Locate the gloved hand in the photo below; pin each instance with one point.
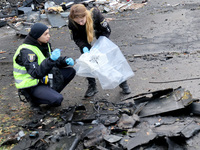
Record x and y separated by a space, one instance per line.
55 54
70 61
85 50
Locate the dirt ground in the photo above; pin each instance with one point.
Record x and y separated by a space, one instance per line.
160 42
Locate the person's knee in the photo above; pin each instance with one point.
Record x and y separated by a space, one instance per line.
73 71
69 73
57 101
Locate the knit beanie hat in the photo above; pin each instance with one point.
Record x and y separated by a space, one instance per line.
37 30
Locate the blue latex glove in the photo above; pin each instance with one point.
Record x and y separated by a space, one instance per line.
85 50
55 54
70 61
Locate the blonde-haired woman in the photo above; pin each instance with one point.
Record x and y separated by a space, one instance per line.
83 24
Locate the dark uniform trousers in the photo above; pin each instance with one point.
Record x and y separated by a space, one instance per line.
91 81
43 94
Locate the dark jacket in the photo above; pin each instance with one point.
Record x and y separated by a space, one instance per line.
78 32
30 63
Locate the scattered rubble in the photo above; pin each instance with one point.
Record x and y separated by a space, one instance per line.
21 15
140 121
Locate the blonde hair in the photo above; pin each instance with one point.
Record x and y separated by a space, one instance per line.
80 11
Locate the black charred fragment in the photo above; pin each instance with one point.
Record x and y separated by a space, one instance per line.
60 132
55 138
163 120
124 141
68 113
80 107
173 144
193 142
118 131
48 123
93 142
160 93
27 3
3 23
68 129
115 147
32 143
97 130
176 100
11 140
155 94
191 129
85 120
40 144
143 137
139 108
24 10
104 107
101 148
127 122
108 119
94 136
34 123
177 129
75 143
24 31
195 108
9 12
112 138
56 20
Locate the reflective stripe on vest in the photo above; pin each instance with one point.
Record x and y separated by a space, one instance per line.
22 78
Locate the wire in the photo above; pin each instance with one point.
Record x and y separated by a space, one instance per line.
159 82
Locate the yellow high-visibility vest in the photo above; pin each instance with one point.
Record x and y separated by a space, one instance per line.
21 76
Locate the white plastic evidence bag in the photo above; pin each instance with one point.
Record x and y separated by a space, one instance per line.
106 62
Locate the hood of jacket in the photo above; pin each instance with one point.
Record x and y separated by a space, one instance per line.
43 47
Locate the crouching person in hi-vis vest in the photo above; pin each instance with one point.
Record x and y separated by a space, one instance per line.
41 74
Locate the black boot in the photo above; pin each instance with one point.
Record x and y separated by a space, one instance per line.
125 88
34 106
91 91
27 98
